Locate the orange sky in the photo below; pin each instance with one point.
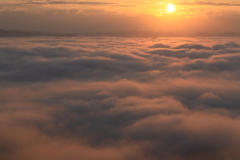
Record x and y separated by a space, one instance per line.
94 16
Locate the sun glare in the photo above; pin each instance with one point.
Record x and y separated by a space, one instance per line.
170 7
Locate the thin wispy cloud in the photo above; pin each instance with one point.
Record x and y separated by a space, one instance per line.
204 3
56 2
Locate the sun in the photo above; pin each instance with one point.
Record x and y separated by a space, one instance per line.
170 7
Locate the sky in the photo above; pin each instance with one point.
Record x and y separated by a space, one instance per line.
111 98
116 98
73 16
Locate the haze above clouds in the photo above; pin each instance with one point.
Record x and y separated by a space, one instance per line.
102 98
70 16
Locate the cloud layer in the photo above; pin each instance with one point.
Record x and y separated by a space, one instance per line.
64 2
119 98
204 3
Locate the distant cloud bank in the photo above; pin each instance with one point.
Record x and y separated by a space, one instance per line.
105 98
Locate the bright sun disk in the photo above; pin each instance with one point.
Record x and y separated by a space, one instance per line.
170 7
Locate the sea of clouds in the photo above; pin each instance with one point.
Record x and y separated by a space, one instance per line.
109 98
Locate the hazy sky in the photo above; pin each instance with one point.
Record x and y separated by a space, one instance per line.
132 15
